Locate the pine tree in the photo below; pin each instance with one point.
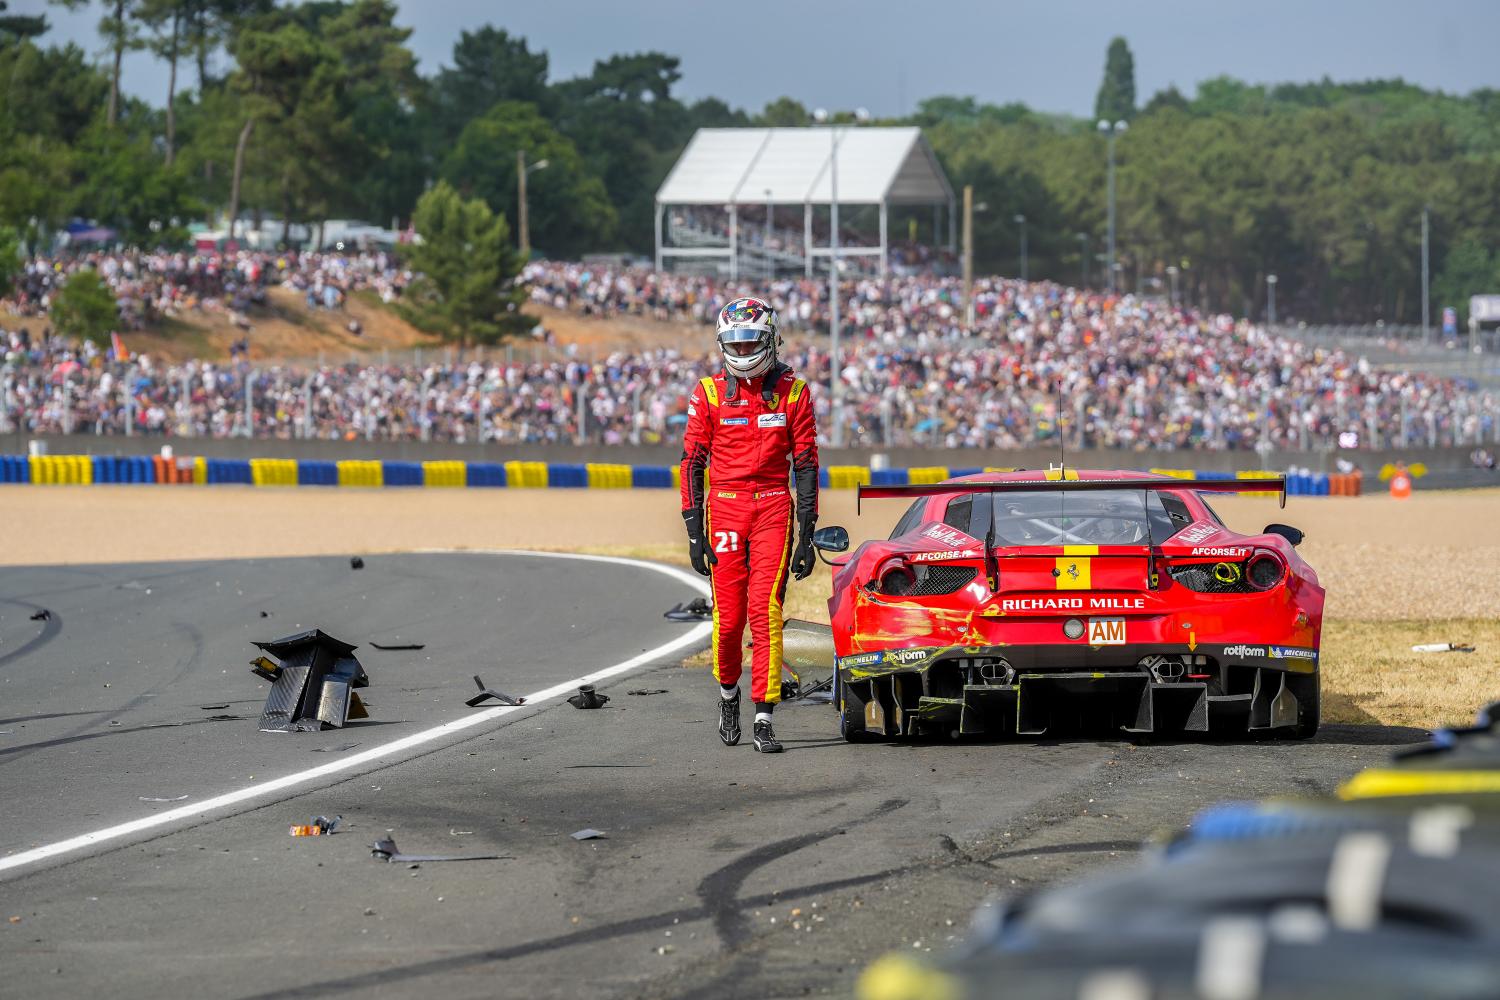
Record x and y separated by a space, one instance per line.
1116 100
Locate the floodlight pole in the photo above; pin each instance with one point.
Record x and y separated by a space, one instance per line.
969 255
1426 309
1112 130
834 393
1083 238
1270 300
1021 221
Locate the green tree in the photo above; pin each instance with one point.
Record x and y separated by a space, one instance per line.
85 307
1468 269
489 66
630 129
467 289
10 259
1116 100
784 111
295 83
1162 100
569 209
19 27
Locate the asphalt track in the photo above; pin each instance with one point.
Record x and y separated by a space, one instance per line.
725 873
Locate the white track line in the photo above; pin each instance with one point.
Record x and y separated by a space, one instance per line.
697 634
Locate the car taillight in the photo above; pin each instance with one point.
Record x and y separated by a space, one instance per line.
1264 570
897 581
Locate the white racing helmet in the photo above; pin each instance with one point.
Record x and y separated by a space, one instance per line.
747 337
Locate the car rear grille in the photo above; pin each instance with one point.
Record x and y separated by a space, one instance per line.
1200 578
934 580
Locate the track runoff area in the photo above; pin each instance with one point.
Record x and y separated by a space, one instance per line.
145 842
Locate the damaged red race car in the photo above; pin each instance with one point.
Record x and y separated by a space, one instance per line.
1031 603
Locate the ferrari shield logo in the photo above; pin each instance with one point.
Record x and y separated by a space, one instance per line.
1073 573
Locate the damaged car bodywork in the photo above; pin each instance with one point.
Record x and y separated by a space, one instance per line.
1017 604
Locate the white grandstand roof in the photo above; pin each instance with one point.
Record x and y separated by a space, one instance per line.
728 166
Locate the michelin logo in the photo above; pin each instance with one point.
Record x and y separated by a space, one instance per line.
1292 653
1245 650
736 421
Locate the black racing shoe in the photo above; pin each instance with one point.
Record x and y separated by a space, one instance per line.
765 738
729 719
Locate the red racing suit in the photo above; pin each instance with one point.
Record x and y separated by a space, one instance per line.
740 434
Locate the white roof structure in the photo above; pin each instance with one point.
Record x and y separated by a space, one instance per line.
738 166
725 168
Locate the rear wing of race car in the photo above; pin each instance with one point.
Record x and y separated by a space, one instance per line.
1269 485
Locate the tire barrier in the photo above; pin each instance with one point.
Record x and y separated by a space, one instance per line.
81 469
1381 890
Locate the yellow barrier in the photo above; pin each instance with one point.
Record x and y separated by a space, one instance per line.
448 473
62 470
200 471
355 472
1258 474
526 475
847 477
603 476
1176 473
677 477
273 471
996 468
924 474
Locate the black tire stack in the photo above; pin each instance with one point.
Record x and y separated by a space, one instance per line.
1390 889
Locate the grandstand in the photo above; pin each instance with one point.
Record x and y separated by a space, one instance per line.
723 174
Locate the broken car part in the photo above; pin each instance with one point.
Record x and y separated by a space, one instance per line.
587 697
385 850
486 694
699 609
410 645
312 688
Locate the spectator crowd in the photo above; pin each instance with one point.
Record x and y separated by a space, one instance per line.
1039 360
150 285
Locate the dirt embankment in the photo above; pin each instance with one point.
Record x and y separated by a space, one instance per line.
287 329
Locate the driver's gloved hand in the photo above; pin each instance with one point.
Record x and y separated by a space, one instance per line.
700 553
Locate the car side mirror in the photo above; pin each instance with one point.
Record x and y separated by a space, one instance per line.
831 539
1286 531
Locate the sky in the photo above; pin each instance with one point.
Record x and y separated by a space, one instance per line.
886 55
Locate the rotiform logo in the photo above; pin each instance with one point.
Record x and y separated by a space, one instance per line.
1244 651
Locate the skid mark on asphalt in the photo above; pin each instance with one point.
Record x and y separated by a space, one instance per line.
730 877
185 666
50 629
82 737
719 891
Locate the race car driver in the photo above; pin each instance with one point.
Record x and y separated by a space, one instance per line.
744 425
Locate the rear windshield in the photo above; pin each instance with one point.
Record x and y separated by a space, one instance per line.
1123 517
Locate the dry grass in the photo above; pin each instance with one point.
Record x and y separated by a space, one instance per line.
1397 573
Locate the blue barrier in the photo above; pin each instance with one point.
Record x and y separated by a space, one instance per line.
651 477
317 472
889 477
402 473
568 476
484 474
229 470
956 473
14 469
1218 476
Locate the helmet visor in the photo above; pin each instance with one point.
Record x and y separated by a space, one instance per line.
741 335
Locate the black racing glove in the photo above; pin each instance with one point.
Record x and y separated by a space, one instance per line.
803 560
700 553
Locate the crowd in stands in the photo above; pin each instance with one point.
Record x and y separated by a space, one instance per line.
1038 360
149 285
